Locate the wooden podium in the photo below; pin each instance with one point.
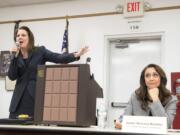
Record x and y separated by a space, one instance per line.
66 95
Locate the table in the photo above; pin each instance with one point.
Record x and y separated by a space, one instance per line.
60 130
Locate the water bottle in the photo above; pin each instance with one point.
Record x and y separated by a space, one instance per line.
120 118
102 115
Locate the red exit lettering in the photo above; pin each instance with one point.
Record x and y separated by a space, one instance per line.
133 6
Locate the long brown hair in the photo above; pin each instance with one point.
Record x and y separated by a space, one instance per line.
30 35
142 93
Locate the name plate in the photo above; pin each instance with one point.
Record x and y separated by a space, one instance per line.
144 124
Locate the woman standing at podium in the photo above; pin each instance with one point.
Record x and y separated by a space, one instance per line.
23 69
152 98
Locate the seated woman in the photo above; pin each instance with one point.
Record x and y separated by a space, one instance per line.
152 98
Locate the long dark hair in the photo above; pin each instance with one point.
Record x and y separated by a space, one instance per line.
30 35
142 93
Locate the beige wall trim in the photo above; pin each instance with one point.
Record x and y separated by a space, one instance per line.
85 15
164 8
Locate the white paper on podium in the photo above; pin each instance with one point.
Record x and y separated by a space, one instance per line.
144 124
10 85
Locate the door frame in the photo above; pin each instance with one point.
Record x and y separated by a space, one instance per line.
108 38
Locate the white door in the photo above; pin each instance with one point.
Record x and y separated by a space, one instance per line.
127 59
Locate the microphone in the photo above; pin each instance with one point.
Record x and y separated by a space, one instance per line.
18 45
88 60
18 49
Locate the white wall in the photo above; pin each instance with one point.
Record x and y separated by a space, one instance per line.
90 31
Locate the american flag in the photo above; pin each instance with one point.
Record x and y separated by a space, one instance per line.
16 26
65 43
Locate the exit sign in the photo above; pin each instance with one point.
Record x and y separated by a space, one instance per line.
134 8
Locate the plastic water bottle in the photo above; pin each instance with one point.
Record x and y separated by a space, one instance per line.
102 115
120 118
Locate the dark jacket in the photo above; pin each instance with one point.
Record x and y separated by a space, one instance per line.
24 72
